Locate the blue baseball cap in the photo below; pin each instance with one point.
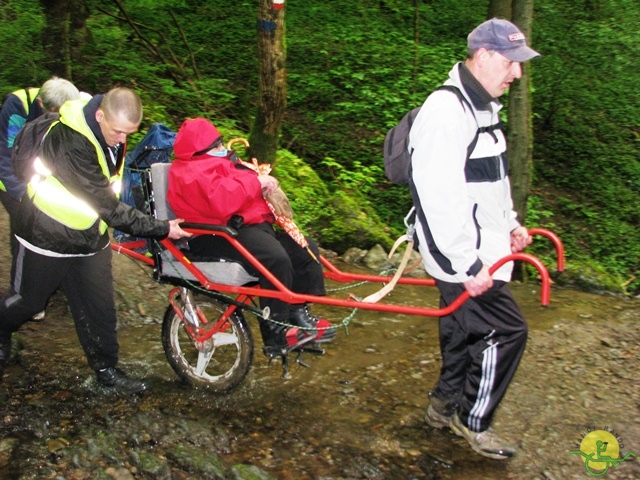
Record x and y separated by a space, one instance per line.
503 37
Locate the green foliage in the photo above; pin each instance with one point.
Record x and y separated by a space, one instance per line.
587 112
346 223
21 25
361 180
307 193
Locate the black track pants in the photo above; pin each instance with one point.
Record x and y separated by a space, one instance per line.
481 345
88 285
278 252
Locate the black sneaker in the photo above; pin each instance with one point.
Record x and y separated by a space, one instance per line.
321 329
115 378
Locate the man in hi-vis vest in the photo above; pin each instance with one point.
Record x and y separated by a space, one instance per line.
18 136
18 108
62 228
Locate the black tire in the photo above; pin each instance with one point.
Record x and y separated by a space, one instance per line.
228 364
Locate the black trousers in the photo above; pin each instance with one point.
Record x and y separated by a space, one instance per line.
278 252
88 285
481 345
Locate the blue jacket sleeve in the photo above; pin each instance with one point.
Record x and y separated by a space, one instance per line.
12 119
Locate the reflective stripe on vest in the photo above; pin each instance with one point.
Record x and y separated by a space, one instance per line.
51 197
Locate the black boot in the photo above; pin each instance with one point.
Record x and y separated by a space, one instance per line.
321 329
279 337
116 379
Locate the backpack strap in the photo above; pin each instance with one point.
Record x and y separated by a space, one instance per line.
444 262
465 104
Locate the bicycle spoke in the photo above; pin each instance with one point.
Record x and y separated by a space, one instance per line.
220 339
203 361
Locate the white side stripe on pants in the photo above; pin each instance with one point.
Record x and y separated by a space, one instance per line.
489 362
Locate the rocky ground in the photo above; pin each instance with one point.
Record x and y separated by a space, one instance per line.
357 413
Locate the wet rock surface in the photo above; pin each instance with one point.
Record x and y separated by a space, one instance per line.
356 413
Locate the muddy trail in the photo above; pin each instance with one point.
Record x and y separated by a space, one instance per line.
355 413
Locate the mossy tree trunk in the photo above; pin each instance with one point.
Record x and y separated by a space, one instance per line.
520 128
272 102
519 124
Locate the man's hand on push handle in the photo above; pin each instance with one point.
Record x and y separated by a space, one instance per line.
175 232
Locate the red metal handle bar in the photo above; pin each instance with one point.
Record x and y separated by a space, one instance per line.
284 294
556 241
127 249
333 273
338 275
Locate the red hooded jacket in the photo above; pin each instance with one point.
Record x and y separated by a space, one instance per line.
208 189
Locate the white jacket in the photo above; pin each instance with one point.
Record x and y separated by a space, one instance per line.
467 205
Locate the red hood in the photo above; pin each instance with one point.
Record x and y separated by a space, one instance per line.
194 136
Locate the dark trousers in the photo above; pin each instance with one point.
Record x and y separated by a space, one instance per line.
12 207
481 345
278 252
88 285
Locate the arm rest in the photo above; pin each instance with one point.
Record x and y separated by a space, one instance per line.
212 228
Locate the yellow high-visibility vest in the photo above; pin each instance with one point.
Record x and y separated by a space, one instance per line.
53 198
27 96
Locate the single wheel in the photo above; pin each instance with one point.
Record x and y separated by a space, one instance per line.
219 363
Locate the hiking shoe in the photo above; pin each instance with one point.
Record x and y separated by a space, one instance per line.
321 329
436 415
486 443
115 378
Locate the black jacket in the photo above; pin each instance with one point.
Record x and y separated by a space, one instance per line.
73 161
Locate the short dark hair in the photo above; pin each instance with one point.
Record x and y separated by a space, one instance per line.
122 101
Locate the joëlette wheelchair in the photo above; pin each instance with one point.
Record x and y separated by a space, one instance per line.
205 335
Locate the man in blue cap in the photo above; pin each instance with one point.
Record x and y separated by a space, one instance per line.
460 185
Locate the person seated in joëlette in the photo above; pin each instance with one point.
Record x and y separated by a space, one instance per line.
208 184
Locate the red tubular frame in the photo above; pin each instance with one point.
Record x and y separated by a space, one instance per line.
556 242
333 273
128 249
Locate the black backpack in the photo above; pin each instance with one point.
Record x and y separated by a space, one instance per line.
27 144
397 158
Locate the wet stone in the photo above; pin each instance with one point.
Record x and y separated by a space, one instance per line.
248 472
150 464
198 460
118 473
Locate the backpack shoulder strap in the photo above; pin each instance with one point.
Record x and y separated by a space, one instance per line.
466 105
458 93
